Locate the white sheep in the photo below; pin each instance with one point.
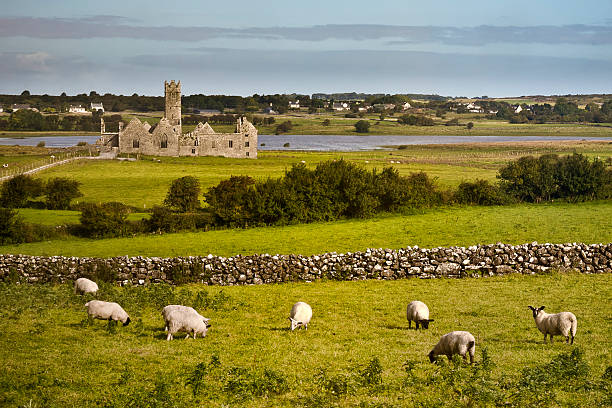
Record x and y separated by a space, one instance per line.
84 285
457 342
418 312
185 321
98 309
301 313
167 309
564 323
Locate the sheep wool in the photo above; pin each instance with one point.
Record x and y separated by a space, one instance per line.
97 309
418 312
457 342
84 285
185 321
564 323
301 313
167 309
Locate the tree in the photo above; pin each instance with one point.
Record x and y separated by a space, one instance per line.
25 93
60 191
11 227
183 194
326 122
470 125
362 126
18 190
104 220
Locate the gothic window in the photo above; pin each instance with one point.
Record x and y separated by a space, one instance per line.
136 144
164 144
247 153
246 144
193 151
196 143
231 143
214 145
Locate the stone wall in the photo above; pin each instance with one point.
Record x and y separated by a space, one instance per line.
453 262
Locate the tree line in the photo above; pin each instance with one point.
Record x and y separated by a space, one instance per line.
25 119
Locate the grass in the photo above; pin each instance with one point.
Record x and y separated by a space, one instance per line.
463 226
52 356
61 217
148 181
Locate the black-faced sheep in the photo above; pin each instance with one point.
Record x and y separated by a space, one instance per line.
185 321
84 285
97 309
457 342
418 312
301 313
564 323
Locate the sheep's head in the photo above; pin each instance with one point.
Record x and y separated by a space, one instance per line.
425 323
432 357
536 311
127 321
294 323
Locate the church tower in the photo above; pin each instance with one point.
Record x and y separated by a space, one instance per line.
172 92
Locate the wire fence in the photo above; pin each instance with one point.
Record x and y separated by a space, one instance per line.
14 169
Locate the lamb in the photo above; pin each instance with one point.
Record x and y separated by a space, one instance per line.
457 342
98 309
84 285
301 313
166 310
564 323
418 312
185 321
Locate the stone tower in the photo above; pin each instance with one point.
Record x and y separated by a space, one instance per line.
173 102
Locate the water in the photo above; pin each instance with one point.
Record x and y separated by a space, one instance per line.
323 143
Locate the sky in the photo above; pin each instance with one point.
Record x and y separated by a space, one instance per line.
448 47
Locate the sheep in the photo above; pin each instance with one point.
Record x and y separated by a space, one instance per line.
167 309
185 321
457 342
98 309
84 285
301 313
418 312
564 323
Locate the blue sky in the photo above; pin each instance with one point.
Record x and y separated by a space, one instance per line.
495 48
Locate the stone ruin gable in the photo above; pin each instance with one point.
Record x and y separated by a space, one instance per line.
134 131
203 141
378 263
138 138
166 133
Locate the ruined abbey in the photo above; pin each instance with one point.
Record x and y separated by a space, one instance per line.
167 138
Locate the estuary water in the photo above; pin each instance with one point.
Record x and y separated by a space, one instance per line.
322 142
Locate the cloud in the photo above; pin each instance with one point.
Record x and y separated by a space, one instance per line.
35 61
105 26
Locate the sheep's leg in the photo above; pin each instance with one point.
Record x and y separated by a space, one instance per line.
566 339
410 324
471 358
417 325
306 326
169 337
551 338
572 339
545 337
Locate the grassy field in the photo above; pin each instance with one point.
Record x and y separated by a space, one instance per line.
148 181
463 226
357 350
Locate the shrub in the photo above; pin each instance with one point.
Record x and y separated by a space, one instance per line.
479 192
60 191
326 122
283 127
11 227
416 120
104 220
41 144
18 190
469 125
227 200
183 194
164 220
362 126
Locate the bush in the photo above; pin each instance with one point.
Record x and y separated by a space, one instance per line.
362 126
18 190
479 192
104 220
41 144
416 120
11 227
326 122
60 191
283 127
164 220
183 194
469 125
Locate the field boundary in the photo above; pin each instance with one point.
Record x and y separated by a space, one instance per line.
385 264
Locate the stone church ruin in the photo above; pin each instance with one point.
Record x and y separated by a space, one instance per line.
167 138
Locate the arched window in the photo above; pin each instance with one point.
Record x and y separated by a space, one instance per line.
136 144
164 144
196 143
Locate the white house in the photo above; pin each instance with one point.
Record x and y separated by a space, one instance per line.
1 109
518 109
340 106
406 106
97 106
25 106
294 105
77 109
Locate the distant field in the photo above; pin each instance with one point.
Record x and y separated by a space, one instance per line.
147 182
461 226
51 356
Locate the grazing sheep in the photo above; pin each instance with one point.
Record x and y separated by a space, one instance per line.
418 312
301 313
167 309
457 342
185 321
564 323
84 285
97 309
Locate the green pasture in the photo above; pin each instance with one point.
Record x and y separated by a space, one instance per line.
52 356
61 217
144 183
462 226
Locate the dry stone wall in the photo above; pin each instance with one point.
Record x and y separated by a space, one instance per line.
453 262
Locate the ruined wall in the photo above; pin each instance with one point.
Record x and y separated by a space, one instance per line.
203 141
150 143
410 262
